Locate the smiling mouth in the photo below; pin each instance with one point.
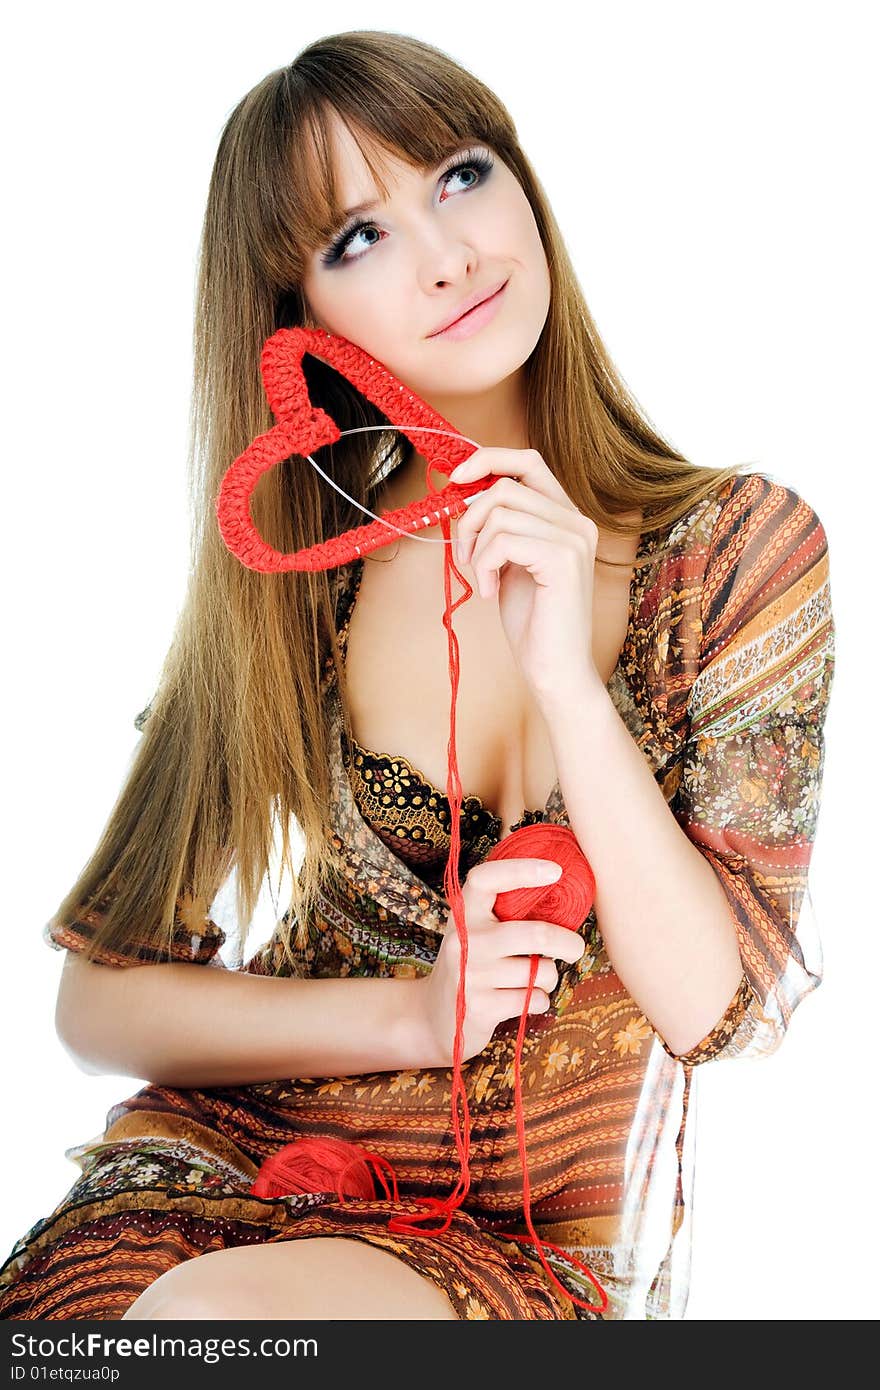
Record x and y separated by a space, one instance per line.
462 318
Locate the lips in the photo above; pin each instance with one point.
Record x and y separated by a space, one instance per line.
479 297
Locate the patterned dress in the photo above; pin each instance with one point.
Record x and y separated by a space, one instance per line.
723 682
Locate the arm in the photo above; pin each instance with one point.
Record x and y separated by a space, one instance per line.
180 1024
662 912
695 896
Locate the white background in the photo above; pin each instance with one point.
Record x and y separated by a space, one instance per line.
713 170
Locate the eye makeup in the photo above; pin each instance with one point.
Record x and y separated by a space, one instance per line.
472 158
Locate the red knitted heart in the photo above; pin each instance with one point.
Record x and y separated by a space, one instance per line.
303 427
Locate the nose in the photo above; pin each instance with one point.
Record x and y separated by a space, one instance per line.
451 265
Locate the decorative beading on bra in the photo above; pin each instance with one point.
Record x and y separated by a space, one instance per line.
407 812
412 816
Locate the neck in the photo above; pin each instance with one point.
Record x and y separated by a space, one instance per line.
495 419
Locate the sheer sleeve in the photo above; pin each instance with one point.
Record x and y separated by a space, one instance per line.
752 766
196 937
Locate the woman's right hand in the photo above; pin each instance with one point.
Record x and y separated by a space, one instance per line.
498 958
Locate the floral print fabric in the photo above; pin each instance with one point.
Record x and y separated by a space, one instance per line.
723 683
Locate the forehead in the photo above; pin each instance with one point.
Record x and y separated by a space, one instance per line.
354 180
340 162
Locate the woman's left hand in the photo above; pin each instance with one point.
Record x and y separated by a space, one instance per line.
528 544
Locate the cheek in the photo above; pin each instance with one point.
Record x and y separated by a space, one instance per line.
513 232
534 258
378 318
354 307
524 229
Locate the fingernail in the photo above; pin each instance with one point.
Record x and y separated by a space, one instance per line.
456 472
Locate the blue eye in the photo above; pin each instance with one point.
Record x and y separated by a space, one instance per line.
474 159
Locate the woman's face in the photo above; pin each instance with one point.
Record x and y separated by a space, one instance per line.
405 267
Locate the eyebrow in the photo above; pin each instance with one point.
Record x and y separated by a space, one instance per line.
369 207
359 207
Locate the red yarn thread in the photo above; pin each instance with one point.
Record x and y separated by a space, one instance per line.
313 1164
567 902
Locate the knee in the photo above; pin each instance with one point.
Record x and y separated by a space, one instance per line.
178 1294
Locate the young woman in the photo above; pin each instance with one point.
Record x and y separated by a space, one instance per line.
647 659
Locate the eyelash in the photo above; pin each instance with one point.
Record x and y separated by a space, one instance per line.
473 159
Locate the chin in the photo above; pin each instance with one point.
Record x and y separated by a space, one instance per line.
481 372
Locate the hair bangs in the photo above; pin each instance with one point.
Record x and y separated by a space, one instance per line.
420 138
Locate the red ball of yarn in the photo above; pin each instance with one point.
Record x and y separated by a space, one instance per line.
320 1164
302 425
566 902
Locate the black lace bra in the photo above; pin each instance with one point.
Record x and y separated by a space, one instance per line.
406 811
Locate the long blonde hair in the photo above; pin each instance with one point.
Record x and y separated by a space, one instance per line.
236 740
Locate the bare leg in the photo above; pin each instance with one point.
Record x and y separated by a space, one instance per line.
320 1277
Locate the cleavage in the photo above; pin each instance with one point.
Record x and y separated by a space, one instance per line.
481 699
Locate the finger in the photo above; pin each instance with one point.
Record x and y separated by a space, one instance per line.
513 972
493 876
525 464
507 493
511 1002
538 938
557 525
558 531
544 559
